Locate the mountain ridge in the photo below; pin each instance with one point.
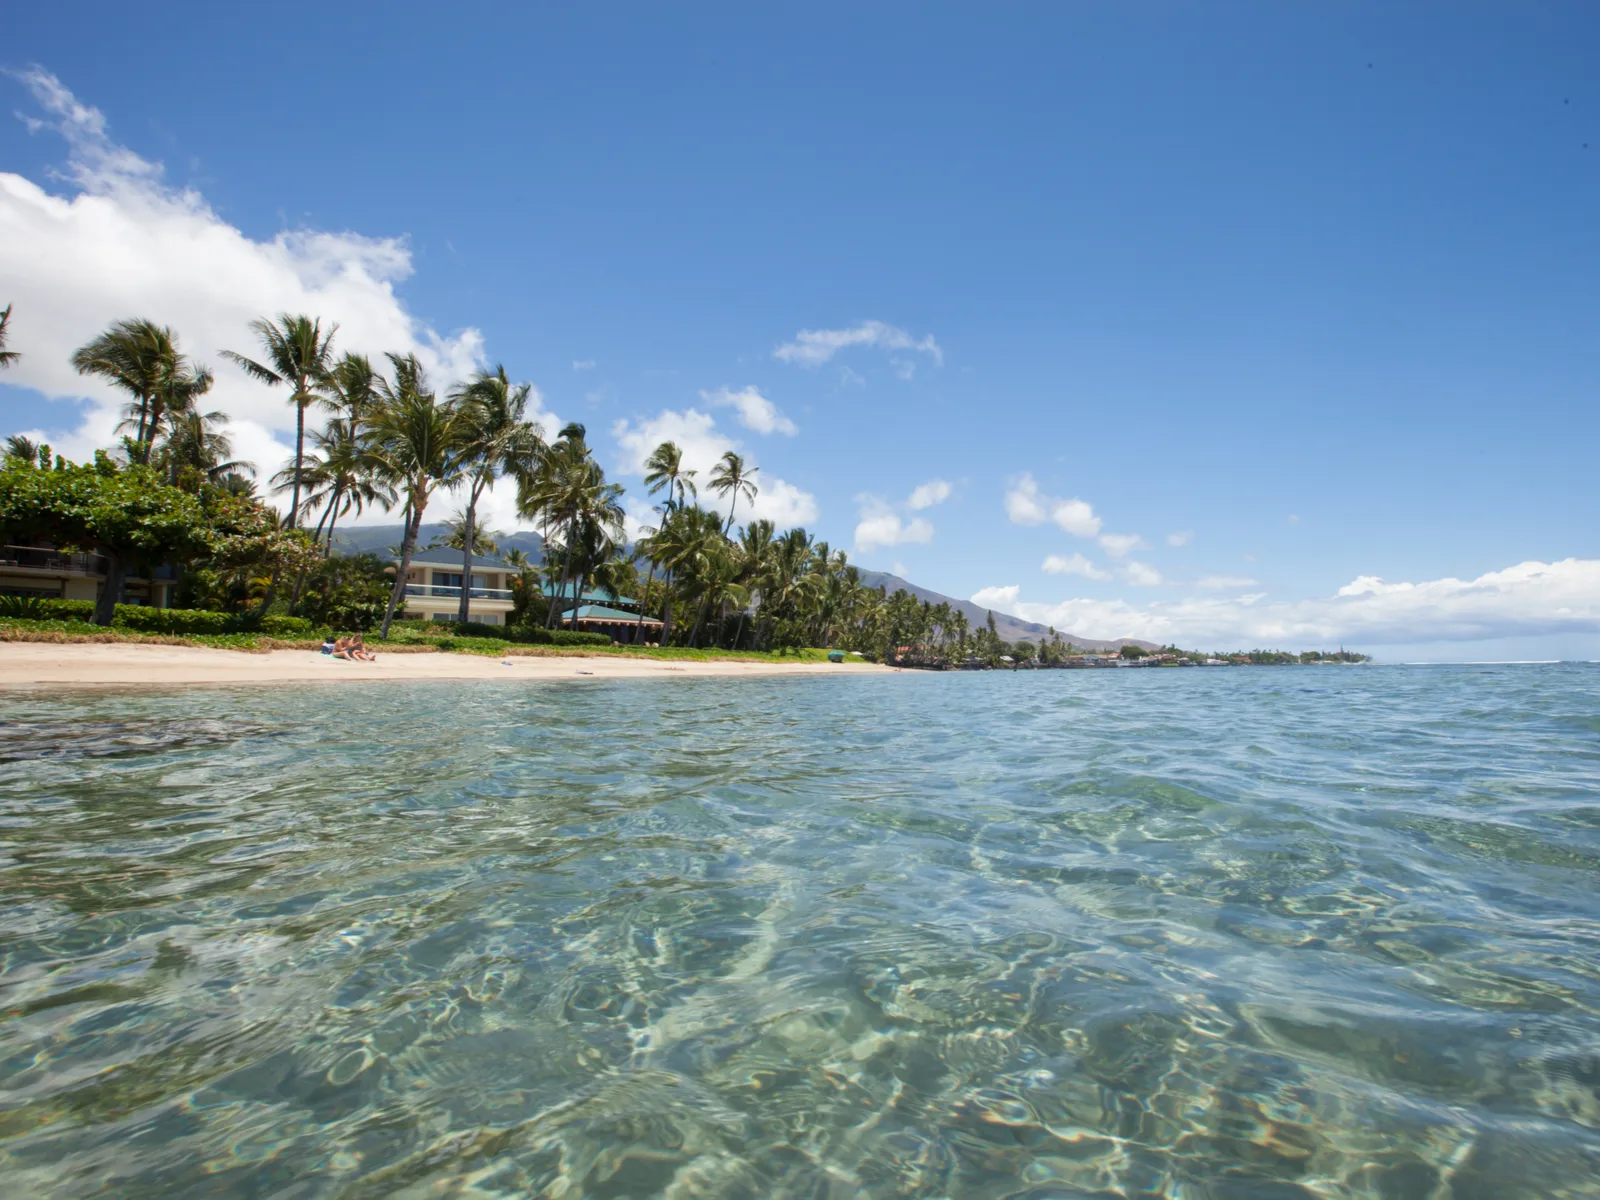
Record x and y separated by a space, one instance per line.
1010 628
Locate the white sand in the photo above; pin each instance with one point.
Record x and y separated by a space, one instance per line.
32 664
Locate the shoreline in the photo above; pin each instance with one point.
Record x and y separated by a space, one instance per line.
35 665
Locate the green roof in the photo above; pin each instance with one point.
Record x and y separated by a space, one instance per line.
599 612
600 594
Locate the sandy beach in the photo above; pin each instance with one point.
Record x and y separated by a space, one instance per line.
34 664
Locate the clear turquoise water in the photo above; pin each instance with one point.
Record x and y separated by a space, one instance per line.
1232 933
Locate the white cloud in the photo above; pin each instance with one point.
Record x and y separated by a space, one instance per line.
1003 598
1118 545
1073 564
880 525
1027 505
813 347
755 410
1181 538
926 495
120 242
1141 575
702 443
1224 582
583 364
1530 599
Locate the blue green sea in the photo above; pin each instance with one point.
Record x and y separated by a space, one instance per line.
1245 934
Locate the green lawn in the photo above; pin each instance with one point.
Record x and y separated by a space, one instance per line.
17 630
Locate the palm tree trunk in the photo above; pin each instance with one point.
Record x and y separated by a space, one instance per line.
105 604
144 409
468 532
270 596
332 521
155 421
700 616
299 457
638 630
407 547
666 608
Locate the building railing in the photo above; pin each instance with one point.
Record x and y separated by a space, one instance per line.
454 593
60 561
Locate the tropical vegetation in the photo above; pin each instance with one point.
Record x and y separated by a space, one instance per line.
173 493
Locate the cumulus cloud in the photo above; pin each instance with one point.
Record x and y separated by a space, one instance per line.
813 347
118 241
1118 545
1027 505
755 410
1003 598
1142 575
1181 538
702 443
926 495
1528 600
1224 582
882 525
1073 564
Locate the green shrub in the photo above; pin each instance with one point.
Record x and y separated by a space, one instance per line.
533 635
569 637
59 610
287 627
24 608
479 629
173 620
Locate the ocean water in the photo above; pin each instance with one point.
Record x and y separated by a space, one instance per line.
1246 933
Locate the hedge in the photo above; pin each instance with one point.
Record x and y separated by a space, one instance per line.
527 635
173 621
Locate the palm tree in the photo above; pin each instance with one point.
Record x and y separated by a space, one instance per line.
731 475
195 443
497 439
553 489
417 442
298 354
176 395
23 451
139 357
664 469
342 476
7 357
755 564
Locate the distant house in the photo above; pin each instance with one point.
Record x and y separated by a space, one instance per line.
434 583
42 570
433 593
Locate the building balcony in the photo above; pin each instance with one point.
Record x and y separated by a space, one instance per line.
454 593
54 562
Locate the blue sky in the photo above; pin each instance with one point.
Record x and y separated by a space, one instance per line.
1313 286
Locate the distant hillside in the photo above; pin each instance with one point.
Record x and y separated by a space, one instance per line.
1010 629
385 539
379 539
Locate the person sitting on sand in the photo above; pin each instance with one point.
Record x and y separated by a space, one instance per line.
341 649
328 644
359 651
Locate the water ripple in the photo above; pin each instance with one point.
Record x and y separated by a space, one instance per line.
1190 934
